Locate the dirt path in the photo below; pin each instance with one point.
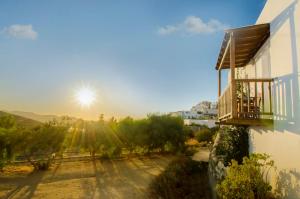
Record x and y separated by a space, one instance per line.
87 179
201 155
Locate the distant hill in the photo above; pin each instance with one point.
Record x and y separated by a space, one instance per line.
22 121
40 118
34 116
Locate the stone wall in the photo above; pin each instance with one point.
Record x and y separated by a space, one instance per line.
216 168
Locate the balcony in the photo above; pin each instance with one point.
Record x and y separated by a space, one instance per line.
253 104
244 101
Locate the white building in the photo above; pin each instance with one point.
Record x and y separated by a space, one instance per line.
198 111
208 123
264 88
186 114
205 107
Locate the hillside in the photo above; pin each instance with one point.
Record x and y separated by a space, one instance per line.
38 117
34 116
22 121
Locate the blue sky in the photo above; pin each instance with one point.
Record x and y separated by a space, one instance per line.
139 56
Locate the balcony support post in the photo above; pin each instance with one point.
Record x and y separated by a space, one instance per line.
233 84
219 83
219 91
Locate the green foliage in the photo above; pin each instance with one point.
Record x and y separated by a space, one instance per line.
7 139
183 178
108 139
247 180
206 134
157 132
128 132
164 130
14 137
233 144
7 121
74 137
188 131
42 143
94 137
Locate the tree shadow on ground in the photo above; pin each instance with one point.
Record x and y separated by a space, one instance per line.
27 186
124 179
108 179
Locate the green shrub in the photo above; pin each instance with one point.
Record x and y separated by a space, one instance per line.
183 178
2 164
105 156
233 144
111 153
189 151
116 152
188 131
205 135
42 165
247 180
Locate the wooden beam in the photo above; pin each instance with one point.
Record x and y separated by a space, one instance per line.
270 97
219 83
256 80
242 97
247 42
247 122
263 96
248 45
232 68
224 55
248 33
248 96
255 100
251 37
248 39
249 28
237 60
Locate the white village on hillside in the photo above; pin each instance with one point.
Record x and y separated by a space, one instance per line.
203 113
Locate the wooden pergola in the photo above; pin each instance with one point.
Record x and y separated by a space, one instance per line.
239 46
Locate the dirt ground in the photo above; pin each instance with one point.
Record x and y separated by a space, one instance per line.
107 179
201 155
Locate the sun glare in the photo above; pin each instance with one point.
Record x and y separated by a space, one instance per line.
85 96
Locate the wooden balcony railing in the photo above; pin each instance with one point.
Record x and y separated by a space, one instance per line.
224 104
253 101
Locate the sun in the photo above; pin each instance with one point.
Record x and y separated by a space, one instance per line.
85 96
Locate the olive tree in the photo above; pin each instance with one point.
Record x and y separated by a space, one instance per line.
166 131
42 143
93 137
8 139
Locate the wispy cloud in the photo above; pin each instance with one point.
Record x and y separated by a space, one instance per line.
21 31
193 25
167 30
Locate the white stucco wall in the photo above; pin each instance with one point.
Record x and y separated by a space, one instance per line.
280 58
